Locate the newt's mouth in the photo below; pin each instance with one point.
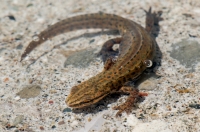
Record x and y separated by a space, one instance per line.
82 102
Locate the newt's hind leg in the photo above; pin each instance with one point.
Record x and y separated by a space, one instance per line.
107 52
134 94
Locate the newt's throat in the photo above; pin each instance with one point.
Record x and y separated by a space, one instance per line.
80 103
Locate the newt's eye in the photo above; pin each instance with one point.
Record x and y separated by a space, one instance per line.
148 63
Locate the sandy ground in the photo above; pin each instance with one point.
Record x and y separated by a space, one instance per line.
32 95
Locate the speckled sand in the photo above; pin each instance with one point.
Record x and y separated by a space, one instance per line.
32 97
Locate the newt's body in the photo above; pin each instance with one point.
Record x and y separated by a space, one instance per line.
136 50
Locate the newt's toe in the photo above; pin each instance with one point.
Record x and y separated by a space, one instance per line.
123 108
129 104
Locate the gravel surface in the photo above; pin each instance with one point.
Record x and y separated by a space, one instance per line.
173 101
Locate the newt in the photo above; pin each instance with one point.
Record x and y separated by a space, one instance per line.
136 52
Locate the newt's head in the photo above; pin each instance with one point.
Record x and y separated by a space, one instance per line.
84 95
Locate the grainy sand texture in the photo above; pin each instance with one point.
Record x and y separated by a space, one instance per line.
33 92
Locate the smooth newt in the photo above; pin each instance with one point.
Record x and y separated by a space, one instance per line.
136 53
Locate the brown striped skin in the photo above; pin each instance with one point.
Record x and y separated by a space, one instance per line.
135 48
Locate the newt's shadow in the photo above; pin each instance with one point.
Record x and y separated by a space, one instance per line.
102 104
156 17
85 35
99 106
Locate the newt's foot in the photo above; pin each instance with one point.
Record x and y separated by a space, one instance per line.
110 62
130 102
107 49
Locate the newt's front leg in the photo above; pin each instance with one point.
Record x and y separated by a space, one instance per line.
134 94
108 54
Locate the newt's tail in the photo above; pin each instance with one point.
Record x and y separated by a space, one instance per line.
96 20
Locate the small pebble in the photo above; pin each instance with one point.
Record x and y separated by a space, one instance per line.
74 123
89 119
61 123
17 98
29 92
196 106
6 79
91 41
45 95
11 17
50 102
18 120
147 85
19 47
67 110
41 128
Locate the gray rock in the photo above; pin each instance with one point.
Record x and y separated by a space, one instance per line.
81 58
29 92
186 52
18 120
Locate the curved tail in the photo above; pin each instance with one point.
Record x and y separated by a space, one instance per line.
96 20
